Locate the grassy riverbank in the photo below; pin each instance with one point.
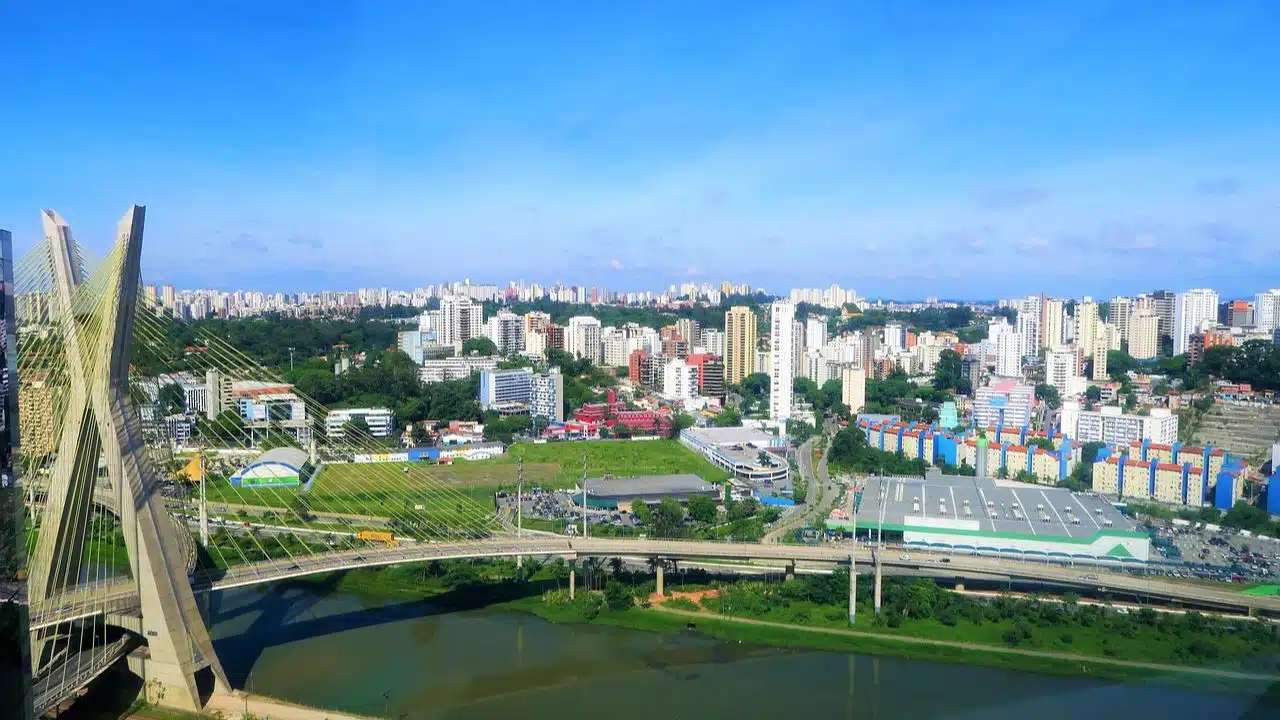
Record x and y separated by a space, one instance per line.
827 639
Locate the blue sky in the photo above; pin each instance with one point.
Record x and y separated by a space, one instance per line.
960 149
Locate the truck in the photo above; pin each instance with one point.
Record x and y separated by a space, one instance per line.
376 536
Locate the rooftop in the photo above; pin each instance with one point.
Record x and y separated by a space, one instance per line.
625 488
943 499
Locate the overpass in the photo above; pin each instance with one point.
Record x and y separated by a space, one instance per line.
120 598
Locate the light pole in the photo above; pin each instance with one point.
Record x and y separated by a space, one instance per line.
290 358
519 506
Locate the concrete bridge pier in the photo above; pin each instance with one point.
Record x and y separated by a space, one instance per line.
660 567
791 570
959 586
573 577
853 590
877 560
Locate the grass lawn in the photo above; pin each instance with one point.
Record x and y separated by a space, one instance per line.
1270 589
467 487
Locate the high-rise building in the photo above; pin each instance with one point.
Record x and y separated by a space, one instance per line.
1240 314
1203 340
168 297
853 390
1004 403
1029 315
895 335
713 341
1144 335
1165 302
506 330
582 338
739 344
1060 365
1119 312
1052 318
461 319
1086 325
781 358
1266 310
1101 346
797 349
689 330
815 331
1009 354
1192 309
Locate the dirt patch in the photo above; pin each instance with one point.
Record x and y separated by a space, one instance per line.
694 596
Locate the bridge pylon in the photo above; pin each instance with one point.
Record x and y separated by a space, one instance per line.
101 425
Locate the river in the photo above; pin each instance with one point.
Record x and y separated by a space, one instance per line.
397 659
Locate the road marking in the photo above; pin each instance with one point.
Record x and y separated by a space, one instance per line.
1022 507
955 512
1087 514
924 502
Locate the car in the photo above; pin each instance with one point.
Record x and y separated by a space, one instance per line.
904 557
1090 577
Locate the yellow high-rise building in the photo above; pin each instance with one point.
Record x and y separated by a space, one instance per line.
739 344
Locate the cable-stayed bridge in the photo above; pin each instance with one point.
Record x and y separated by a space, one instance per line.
119 538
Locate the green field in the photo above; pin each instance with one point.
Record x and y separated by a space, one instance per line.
1267 590
467 487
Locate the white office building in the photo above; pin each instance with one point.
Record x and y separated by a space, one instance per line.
1029 313
1266 311
1192 309
1110 424
781 358
380 421
679 380
853 390
1061 364
455 368
461 319
1054 319
713 341
582 338
1008 345
1003 403
542 395
815 332
506 330
1144 335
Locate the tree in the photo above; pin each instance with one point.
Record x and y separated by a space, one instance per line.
356 427
172 400
728 417
1119 363
680 421
948 373
702 509
227 428
479 346
616 596
641 510
764 458
1049 394
668 518
1093 394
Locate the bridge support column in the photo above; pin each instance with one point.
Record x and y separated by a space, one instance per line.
853 591
661 569
960 587
791 570
573 578
877 559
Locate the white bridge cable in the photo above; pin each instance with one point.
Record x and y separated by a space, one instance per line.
89 306
375 477
366 479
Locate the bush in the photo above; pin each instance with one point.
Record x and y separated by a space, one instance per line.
616 596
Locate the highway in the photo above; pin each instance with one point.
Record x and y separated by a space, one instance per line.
121 598
821 493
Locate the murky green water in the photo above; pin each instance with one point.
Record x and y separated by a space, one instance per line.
404 660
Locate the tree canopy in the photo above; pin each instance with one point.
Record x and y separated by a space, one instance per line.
479 346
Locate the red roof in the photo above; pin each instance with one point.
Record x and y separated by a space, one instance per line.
1169 466
911 433
1160 446
1217 452
1113 460
1191 449
1017 448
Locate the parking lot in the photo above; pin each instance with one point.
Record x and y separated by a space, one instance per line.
1213 553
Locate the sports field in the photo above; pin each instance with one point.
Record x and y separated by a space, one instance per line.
467 487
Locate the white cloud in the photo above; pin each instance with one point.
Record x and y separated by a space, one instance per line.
616 264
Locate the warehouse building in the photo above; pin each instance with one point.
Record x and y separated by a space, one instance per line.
984 515
612 493
278 467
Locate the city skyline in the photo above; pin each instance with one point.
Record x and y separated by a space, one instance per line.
984 150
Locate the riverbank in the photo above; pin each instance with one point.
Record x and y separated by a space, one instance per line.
779 634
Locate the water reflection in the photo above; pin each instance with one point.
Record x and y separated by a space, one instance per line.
413 660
